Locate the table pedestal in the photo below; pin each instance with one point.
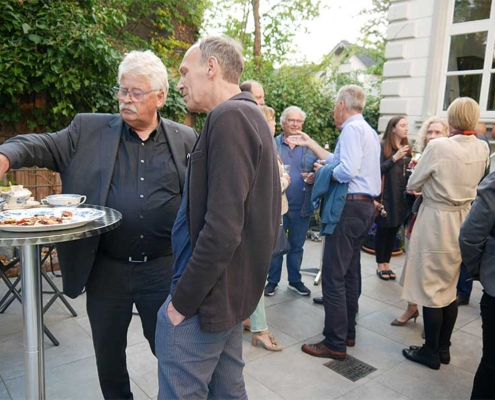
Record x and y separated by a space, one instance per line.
32 307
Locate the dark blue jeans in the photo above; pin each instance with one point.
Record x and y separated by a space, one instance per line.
341 273
112 289
464 284
298 229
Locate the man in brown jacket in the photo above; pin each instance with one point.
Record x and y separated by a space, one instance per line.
224 233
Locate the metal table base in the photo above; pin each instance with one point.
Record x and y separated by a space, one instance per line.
32 305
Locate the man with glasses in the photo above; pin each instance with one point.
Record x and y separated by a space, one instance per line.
135 163
300 162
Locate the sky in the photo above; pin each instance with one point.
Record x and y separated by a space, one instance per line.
338 21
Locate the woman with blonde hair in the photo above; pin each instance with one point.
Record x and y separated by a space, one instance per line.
447 175
432 128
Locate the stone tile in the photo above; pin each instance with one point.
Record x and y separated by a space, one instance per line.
11 319
367 306
466 351
373 391
75 344
296 318
386 291
466 315
257 391
143 368
379 322
4 394
292 374
474 328
249 352
419 382
376 350
76 381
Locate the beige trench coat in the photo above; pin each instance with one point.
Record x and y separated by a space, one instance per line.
447 174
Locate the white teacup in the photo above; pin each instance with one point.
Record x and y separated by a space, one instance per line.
64 200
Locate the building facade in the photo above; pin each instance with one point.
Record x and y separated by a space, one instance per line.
438 50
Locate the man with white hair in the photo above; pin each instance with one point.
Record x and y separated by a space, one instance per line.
135 163
296 221
356 161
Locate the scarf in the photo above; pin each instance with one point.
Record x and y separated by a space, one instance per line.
456 132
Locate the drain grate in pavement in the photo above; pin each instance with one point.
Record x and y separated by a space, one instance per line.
351 368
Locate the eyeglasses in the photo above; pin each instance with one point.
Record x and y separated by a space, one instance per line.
136 95
295 121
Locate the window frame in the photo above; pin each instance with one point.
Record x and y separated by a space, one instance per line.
486 25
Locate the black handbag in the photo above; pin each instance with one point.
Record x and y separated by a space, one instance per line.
282 247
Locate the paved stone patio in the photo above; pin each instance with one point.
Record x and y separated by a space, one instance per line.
290 374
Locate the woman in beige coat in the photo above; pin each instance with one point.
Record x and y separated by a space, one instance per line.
447 175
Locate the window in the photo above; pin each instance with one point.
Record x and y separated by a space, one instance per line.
469 59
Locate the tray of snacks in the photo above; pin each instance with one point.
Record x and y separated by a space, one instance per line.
47 219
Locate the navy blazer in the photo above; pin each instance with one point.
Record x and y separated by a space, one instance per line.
84 154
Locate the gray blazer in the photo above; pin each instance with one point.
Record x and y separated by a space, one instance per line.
84 154
477 235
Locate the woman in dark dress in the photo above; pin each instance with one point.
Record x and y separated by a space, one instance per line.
395 157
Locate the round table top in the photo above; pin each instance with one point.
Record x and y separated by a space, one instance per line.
110 221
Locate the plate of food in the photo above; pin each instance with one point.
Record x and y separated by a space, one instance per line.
47 219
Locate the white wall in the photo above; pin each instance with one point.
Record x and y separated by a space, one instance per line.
415 35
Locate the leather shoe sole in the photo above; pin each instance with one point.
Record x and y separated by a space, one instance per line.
320 350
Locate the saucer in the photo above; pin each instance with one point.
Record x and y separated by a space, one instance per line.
29 204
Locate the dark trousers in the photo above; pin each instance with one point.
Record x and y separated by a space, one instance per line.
385 239
341 273
439 324
112 289
464 284
484 380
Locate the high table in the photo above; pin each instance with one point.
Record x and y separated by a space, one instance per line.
32 302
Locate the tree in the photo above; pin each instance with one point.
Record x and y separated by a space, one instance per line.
58 58
374 33
264 28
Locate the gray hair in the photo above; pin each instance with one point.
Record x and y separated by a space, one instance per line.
145 63
353 97
289 110
228 53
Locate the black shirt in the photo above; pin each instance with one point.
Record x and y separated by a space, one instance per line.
145 188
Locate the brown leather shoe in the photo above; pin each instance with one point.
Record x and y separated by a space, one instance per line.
320 350
350 342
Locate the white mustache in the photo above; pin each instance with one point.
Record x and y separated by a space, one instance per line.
130 107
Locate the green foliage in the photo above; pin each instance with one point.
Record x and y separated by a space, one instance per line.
58 58
298 86
280 22
55 51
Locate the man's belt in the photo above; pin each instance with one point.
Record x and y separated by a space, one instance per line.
134 259
360 197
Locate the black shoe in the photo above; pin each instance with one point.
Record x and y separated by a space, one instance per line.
423 355
318 300
444 353
462 300
270 289
299 288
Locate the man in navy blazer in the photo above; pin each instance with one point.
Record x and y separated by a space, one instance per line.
133 162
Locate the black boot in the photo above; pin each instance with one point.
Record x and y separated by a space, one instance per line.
444 352
423 355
